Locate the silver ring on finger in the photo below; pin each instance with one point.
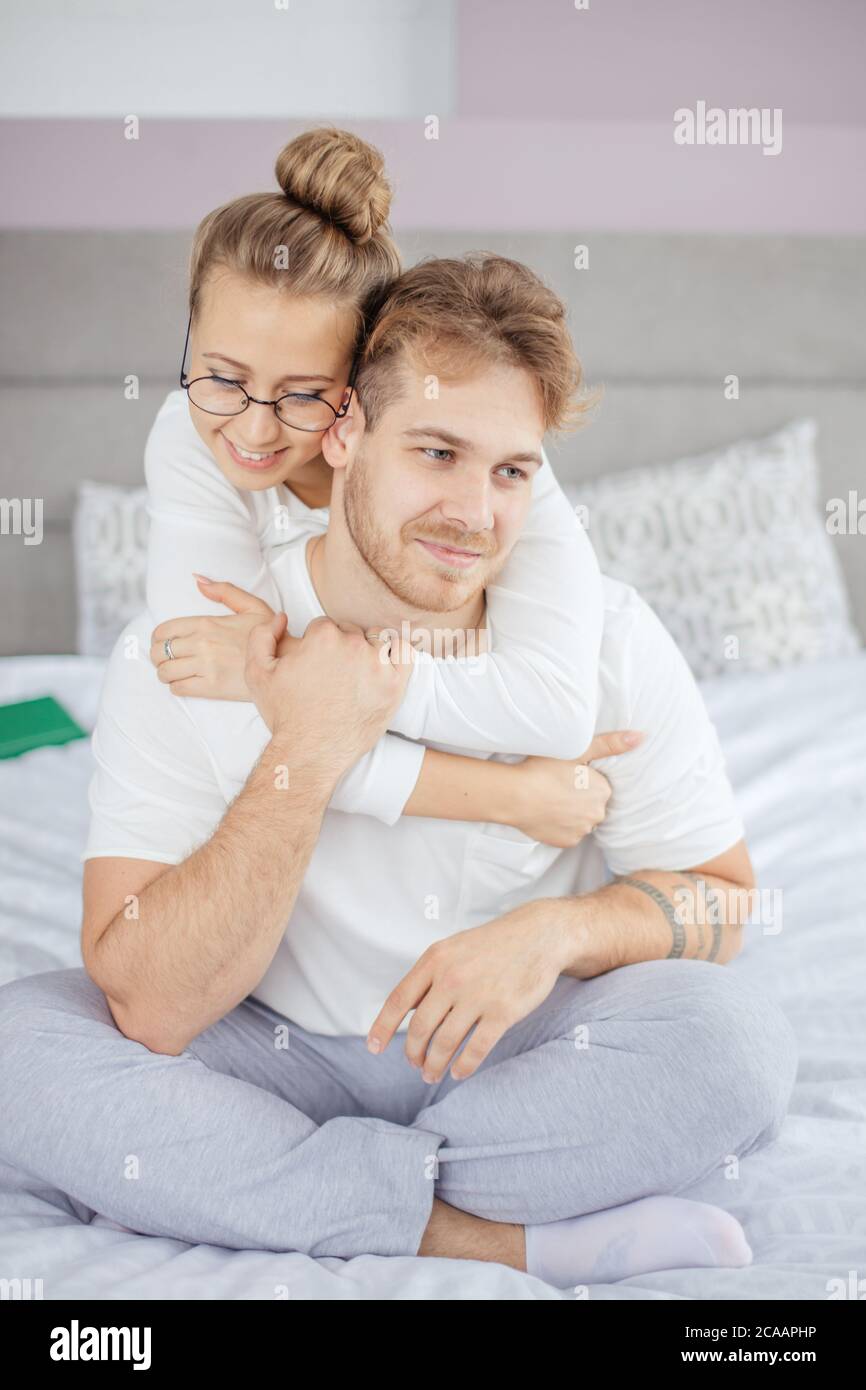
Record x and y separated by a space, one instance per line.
166 647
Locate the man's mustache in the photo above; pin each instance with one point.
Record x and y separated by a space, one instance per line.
480 542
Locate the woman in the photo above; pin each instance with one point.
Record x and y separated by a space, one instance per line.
283 286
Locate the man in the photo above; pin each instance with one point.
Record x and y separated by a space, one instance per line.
574 1048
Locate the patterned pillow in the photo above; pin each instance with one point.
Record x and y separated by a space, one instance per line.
729 548
110 541
731 551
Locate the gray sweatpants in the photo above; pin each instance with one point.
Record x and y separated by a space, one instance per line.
644 1080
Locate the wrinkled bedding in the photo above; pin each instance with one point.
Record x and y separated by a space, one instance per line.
796 747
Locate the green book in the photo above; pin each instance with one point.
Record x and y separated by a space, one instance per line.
34 723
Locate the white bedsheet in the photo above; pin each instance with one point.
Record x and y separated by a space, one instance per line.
796 744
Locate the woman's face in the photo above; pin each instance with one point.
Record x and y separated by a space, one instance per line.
270 343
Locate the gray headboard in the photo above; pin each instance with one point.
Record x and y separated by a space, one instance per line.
661 320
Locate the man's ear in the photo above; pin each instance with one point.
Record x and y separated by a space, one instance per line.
340 443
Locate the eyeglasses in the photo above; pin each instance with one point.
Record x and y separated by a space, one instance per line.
219 396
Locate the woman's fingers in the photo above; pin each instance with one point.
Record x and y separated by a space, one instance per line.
180 644
192 686
177 670
611 745
237 599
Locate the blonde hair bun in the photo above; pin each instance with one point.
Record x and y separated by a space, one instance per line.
340 177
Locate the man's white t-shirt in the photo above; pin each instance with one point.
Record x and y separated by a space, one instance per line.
375 896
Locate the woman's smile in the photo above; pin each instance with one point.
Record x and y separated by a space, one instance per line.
257 461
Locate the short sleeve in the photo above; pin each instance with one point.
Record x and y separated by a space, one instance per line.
672 804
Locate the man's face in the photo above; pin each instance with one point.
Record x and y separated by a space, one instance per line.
436 495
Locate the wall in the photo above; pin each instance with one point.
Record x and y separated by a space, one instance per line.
549 116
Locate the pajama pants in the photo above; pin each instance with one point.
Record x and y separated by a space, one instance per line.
261 1135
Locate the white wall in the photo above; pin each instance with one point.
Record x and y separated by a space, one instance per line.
282 58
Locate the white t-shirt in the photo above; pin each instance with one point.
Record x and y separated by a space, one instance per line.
376 896
533 692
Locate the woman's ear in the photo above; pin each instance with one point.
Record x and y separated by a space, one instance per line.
341 441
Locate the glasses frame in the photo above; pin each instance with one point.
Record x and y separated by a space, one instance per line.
338 414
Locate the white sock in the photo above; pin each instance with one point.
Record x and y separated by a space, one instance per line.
640 1237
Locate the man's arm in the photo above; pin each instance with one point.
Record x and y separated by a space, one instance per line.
175 948
203 933
489 977
658 914
671 805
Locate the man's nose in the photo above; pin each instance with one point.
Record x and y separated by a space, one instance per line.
470 503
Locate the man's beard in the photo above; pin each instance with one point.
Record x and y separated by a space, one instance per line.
428 592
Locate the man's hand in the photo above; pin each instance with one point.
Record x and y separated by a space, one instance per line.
491 976
331 695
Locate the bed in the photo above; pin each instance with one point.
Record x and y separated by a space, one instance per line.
795 740
661 321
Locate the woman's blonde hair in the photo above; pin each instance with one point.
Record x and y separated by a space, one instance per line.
326 235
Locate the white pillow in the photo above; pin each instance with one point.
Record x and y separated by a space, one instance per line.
110 541
730 549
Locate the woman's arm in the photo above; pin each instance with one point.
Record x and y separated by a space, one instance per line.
199 522
552 800
536 690
546 798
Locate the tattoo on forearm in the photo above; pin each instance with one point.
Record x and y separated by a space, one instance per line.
715 923
677 929
700 937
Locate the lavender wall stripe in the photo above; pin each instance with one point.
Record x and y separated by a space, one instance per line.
512 175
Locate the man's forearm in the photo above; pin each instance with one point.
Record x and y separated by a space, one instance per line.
205 932
652 914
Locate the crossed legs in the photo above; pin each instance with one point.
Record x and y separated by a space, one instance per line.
263 1136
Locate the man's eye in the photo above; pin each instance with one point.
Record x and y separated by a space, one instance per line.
443 454
515 473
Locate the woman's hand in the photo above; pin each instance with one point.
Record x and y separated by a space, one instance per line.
209 654
561 800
